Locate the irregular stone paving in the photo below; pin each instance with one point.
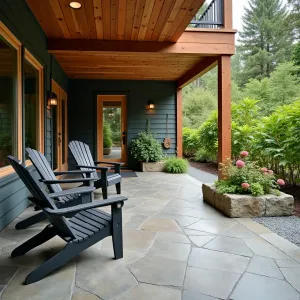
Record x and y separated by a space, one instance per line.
175 247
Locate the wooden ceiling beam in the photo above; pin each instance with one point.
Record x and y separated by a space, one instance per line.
201 43
198 70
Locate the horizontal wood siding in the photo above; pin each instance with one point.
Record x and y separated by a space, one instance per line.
82 109
16 15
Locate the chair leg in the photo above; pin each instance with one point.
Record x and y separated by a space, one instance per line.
118 188
42 237
117 234
31 220
104 192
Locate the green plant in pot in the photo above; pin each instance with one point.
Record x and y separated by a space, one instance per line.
107 139
145 148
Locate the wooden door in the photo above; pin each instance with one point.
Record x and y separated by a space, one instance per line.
60 129
112 114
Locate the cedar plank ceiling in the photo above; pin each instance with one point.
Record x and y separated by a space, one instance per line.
129 20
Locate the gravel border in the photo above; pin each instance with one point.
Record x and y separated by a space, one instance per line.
287 227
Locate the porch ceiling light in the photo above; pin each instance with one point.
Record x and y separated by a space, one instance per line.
52 99
75 5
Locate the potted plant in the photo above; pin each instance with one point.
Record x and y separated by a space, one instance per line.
107 139
248 190
148 151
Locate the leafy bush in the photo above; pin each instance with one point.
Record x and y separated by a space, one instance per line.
246 177
107 136
201 156
176 165
190 139
146 148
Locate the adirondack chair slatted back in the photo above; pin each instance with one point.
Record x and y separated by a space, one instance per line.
40 197
83 156
44 169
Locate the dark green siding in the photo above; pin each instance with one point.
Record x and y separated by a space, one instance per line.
16 15
82 109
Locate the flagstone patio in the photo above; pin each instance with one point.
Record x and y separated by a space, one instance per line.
175 247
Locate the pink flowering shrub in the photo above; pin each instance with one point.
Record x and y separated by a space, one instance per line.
246 177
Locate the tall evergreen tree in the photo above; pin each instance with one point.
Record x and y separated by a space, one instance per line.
265 40
294 17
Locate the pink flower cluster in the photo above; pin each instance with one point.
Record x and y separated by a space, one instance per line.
245 185
240 164
280 182
244 153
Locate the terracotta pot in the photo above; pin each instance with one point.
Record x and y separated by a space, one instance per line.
106 151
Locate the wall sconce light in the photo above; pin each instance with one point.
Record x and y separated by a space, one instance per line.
52 99
150 104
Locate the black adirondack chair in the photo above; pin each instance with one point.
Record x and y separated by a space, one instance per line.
86 226
84 160
48 178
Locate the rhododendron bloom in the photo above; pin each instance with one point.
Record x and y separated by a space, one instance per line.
264 169
240 164
245 185
244 153
280 182
270 172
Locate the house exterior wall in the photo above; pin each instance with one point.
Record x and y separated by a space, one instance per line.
21 22
82 110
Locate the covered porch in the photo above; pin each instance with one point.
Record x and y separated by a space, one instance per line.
175 247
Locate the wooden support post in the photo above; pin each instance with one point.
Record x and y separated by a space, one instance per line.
179 122
224 110
227 14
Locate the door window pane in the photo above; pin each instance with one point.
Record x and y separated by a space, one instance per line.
32 118
8 101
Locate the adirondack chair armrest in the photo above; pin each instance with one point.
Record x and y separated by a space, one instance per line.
73 172
116 165
78 190
94 204
93 167
71 180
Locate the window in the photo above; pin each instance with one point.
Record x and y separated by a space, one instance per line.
10 98
33 103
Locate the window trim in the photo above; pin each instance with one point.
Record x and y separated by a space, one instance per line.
40 130
17 45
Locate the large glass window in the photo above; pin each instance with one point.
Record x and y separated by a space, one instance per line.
33 103
8 101
32 118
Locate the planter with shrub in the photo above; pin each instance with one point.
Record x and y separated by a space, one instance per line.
148 151
107 139
175 165
248 191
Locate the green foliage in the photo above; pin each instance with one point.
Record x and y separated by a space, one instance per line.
281 88
266 38
201 156
260 182
145 147
277 141
294 17
296 56
107 140
190 139
176 165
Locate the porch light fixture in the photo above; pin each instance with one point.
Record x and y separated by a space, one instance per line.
52 99
75 5
150 104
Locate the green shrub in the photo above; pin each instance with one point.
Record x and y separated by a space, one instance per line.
246 177
107 136
176 165
145 147
190 139
202 156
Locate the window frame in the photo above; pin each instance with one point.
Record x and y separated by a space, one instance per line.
40 129
17 45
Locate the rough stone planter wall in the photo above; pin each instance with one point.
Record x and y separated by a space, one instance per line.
152 166
247 206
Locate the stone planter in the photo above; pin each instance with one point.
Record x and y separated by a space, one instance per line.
152 166
106 151
248 206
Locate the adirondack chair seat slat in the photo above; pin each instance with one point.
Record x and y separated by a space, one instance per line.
86 226
84 160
